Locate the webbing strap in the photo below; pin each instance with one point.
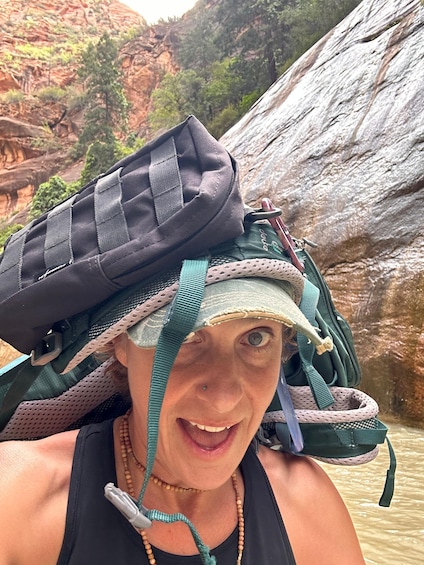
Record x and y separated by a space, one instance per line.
320 390
165 181
58 242
111 224
12 260
333 440
295 440
206 557
179 322
389 485
340 373
358 436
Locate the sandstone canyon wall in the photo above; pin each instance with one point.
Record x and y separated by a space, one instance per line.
337 142
35 40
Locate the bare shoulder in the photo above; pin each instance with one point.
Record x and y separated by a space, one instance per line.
34 484
317 521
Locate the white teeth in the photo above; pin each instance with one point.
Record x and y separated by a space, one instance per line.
210 429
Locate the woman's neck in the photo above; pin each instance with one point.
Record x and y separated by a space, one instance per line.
213 512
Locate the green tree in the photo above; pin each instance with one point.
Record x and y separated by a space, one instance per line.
101 156
309 20
267 34
223 121
223 87
199 49
178 96
215 100
253 30
234 51
6 231
49 194
106 105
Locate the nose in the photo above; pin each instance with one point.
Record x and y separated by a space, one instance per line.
221 387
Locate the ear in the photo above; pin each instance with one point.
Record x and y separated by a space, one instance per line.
120 345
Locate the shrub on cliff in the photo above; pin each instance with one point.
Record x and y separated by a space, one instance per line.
6 232
101 156
51 94
49 194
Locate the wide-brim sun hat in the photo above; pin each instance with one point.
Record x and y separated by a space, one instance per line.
257 254
230 300
272 289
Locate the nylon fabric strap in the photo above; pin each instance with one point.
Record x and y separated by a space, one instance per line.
58 242
12 260
328 440
165 181
389 485
320 390
339 369
205 556
361 436
111 224
179 322
296 443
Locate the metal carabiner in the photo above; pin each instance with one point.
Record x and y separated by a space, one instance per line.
283 233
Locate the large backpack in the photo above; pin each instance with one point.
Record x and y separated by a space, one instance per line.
92 255
147 213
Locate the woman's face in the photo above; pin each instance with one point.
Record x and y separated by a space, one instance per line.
221 383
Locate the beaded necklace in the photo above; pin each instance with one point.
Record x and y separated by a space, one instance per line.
126 449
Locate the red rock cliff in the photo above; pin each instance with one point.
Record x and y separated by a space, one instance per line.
39 43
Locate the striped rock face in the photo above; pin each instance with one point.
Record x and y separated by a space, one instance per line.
337 143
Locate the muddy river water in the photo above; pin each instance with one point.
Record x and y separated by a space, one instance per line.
393 535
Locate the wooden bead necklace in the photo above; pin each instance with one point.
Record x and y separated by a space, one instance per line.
126 449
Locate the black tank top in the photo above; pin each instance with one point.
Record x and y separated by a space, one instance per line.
97 534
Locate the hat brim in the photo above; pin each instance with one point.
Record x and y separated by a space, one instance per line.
230 300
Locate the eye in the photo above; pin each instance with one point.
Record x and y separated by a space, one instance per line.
258 337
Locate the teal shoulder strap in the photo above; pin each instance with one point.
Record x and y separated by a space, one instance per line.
320 390
179 322
389 485
180 319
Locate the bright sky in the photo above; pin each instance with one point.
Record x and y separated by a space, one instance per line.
152 10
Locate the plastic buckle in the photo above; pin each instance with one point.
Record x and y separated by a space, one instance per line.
48 349
127 506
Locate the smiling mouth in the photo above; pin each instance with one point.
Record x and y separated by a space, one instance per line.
208 438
